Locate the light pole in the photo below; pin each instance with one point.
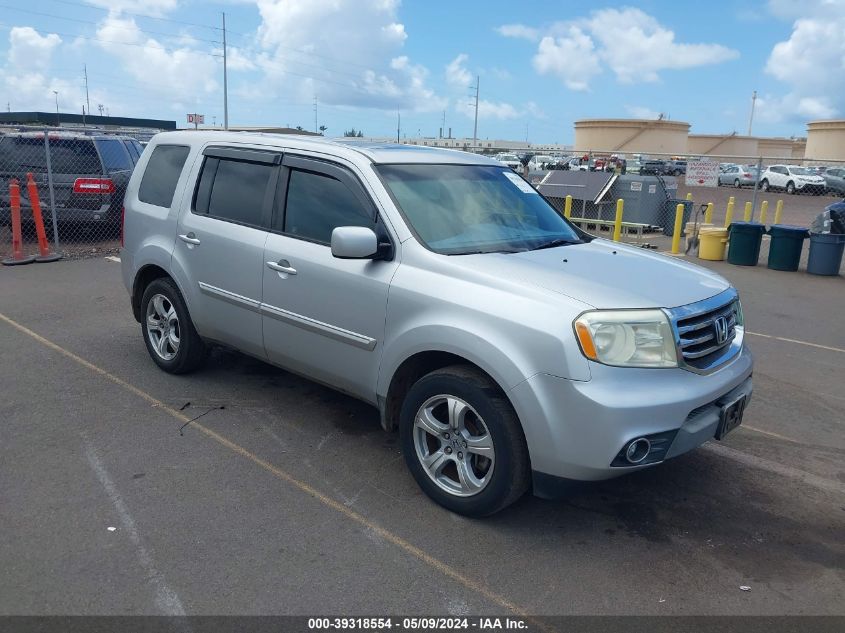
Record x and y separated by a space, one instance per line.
58 121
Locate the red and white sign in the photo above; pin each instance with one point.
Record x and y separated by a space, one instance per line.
702 173
196 119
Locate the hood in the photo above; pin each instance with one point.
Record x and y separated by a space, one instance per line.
605 274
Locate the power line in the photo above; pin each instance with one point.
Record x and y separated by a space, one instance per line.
136 15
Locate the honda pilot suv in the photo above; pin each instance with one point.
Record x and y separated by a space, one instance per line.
89 173
512 350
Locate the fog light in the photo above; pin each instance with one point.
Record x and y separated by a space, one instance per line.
637 450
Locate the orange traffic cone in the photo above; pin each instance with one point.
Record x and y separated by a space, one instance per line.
46 255
17 257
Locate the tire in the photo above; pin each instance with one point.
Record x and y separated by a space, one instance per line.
737 184
173 343
790 188
764 185
496 474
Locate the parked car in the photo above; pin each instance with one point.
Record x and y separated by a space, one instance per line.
511 160
516 351
834 180
675 167
726 166
89 173
791 179
739 176
653 168
540 161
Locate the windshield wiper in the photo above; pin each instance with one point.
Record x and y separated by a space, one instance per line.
556 242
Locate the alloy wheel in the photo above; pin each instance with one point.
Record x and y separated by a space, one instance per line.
163 327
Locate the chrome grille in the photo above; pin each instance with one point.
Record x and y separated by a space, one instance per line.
699 334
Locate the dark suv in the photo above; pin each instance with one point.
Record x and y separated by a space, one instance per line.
89 173
675 167
653 168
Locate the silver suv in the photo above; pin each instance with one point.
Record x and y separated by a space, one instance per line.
511 349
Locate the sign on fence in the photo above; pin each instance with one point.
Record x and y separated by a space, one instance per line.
196 119
702 173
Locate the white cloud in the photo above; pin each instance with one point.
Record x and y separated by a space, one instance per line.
811 62
145 7
457 74
631 43
519 31
571 58
177 74
346 52
28 50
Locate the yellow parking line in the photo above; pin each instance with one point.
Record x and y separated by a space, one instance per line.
327 501
792 340
770 433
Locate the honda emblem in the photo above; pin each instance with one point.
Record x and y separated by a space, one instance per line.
721 327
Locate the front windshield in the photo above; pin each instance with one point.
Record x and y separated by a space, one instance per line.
800 171
463 209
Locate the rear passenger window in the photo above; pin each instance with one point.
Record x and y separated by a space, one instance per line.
115 156
317 204
163 170
233 190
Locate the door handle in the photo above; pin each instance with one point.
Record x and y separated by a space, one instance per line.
190 238
282 266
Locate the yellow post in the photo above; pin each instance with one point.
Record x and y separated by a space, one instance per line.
567 207
689 196
778 211
676 236
708 215
764 211
729 215
747 216
617 226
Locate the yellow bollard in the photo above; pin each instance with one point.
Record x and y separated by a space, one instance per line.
778 211
689 196
617 226
729 215
676 236
764 211
708 215
747 216
567 207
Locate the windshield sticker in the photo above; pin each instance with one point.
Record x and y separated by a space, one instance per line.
523 186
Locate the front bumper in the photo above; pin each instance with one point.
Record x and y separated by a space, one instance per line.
575 430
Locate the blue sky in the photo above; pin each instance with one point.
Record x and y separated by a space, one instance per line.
542 65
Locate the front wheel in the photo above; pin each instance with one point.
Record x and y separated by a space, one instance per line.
790 187
168 331
463 443
764 185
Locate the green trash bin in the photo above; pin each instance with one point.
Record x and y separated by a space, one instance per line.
825 253
786 245
744 246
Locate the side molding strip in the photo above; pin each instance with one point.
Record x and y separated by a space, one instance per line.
318 327
230 297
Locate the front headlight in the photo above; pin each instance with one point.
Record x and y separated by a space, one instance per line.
627 338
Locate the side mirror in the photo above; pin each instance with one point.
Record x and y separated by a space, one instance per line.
354 242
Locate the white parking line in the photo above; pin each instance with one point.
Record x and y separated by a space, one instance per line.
166 599
792 340
804 477
112 258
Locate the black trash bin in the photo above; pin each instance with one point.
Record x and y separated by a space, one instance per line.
744 245
825 253
786 246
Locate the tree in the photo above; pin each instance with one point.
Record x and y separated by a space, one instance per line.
360 133
299 127
323 128
354 132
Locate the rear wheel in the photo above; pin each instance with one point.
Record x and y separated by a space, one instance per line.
168 331
764 185
737 183
463 443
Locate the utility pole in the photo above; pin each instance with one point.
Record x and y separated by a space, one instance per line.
225 80
751 118
475 127
87 101
315 114
398 124
443 124
58 121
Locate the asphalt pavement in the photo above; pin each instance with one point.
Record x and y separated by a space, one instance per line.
287 498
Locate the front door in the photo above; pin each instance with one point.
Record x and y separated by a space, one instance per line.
323 317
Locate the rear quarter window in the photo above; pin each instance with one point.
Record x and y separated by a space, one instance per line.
115 156
161 175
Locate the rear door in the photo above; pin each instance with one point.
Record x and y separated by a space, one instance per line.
324 317
220 243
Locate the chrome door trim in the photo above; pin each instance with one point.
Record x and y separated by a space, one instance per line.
230 297
318 327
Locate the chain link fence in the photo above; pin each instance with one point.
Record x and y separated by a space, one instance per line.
76 179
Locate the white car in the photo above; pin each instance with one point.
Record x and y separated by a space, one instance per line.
792 179
539 161
511 160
